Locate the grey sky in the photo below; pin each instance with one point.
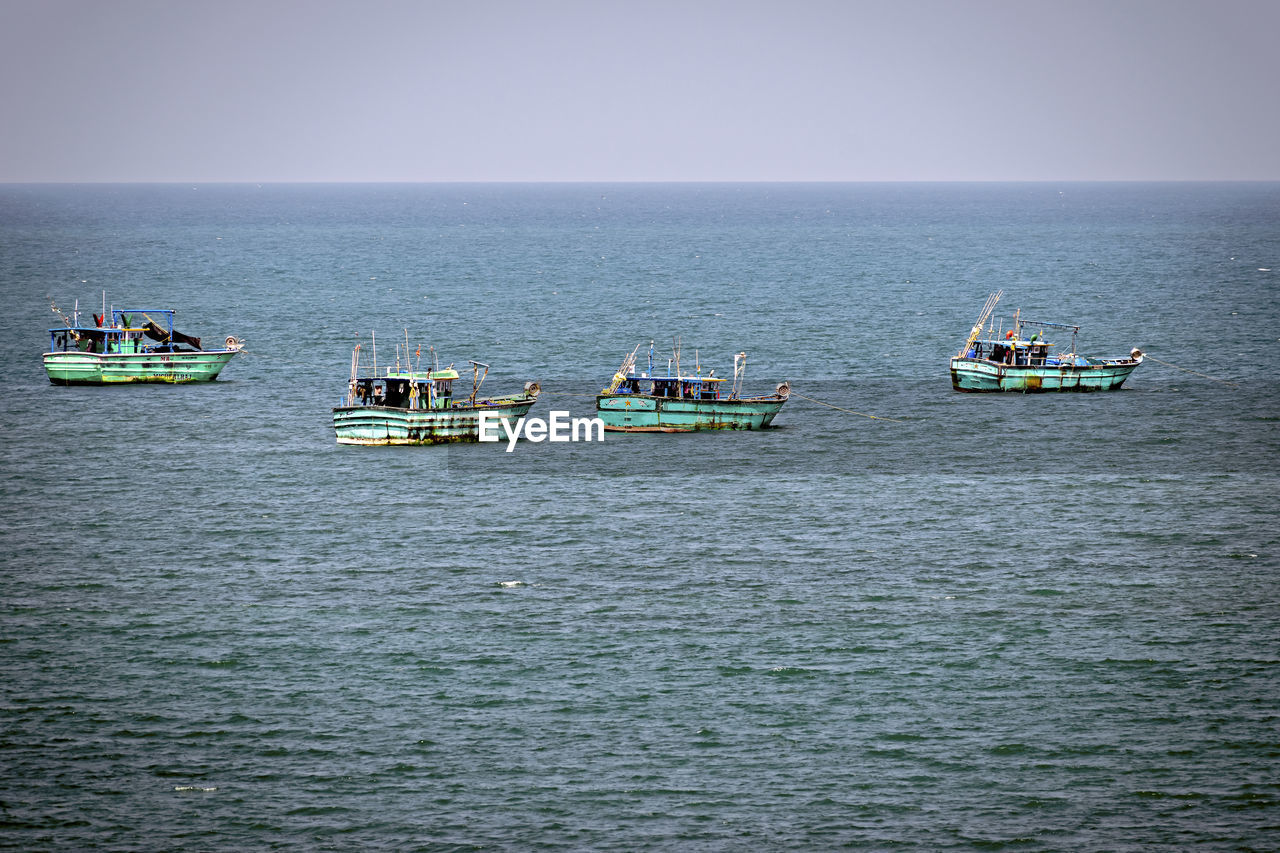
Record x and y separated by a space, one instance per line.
586 90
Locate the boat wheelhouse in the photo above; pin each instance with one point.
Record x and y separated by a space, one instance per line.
1021 359
680 402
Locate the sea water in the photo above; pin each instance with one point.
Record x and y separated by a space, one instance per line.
905 618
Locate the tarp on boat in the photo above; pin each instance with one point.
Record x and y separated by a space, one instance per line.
158 334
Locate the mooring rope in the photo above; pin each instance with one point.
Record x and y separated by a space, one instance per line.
1185 370
275 358
546 393
795 393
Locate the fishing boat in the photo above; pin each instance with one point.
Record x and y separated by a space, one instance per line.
412 405
679 402
996 359
130 345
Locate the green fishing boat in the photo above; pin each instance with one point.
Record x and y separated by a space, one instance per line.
1009 360
411 405
679 402
131 345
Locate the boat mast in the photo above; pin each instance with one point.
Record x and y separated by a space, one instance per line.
477 379
628 366
987 308
739 368
355 373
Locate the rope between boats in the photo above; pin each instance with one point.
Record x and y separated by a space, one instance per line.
1185 370
795 393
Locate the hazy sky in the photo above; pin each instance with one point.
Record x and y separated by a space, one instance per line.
643 90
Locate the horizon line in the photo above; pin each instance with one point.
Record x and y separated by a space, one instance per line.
594 181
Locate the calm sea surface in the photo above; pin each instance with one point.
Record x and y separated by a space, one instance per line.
974 621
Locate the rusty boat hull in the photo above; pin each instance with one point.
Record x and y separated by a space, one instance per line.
647 413
977 374
460 422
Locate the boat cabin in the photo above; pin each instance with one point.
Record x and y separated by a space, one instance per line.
431 390
1016 351
1013 352
676 387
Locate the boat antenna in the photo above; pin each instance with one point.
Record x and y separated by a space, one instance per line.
374 335
677 352
974 333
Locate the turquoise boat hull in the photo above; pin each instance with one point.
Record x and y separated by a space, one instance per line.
386 425
645 413
976 374
76 367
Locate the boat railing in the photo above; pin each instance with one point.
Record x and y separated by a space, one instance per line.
1041 324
